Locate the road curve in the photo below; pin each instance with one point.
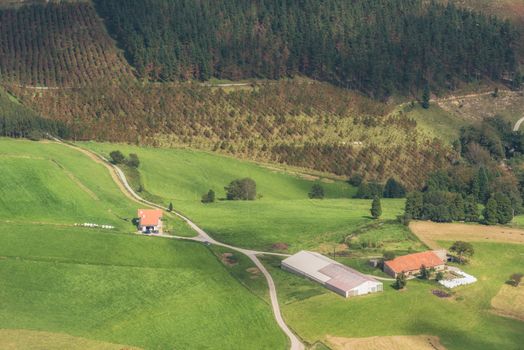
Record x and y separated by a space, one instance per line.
518 123
202 236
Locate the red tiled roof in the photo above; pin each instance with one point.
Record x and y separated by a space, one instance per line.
149 217
414 262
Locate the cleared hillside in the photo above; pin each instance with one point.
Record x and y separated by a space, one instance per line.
307 124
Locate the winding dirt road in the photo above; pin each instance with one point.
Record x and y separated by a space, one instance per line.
202 236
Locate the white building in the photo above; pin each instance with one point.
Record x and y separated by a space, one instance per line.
333 275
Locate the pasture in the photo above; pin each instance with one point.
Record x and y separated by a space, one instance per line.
101 287
282 215
464 321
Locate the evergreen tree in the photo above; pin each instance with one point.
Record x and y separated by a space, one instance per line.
490 212
424 272
170 207
471 212
414 205
241 189
394 189
483 184
208 197
376 208
116 157
133 160
400 281
426 95
458 208
317 191
504 208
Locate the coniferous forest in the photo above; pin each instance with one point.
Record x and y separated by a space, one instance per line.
375 46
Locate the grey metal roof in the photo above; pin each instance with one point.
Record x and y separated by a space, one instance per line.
326 270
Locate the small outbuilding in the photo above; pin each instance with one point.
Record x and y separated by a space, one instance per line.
411 264
331 274
150 220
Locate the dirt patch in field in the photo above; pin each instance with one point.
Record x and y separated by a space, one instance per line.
254 272
21 339
229 259
280 246
431 232
509 302
399 342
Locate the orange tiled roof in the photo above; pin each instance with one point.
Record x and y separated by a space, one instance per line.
414 261
149 217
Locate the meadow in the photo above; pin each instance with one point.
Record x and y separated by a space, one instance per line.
108 286
464 321
283 213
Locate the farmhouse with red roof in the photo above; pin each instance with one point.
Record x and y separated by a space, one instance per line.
150 220
410 264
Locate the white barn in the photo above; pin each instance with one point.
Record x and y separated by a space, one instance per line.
333 275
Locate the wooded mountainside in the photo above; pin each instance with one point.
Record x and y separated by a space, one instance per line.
376 46
57 45
60 62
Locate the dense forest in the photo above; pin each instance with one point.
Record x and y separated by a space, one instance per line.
57 45
376 46
19 121
489 172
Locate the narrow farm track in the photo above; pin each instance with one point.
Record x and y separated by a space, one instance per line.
119 177
518 123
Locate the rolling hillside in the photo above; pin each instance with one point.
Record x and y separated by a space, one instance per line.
282 215
377 47
108 285
66 67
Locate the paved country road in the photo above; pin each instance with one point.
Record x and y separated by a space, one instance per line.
202 236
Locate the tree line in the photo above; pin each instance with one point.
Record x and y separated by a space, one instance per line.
20 122
376 46
487 172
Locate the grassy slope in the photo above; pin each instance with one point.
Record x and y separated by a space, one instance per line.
51 183
462 323
283 214
108 285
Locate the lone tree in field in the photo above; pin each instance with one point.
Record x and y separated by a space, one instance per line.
376 208
400 281
463 249
116 157
515 279
133 160
317 191
170 207
208 197
241 189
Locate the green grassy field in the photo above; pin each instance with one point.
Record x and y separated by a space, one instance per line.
109 285
126 289
462 322
283 214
